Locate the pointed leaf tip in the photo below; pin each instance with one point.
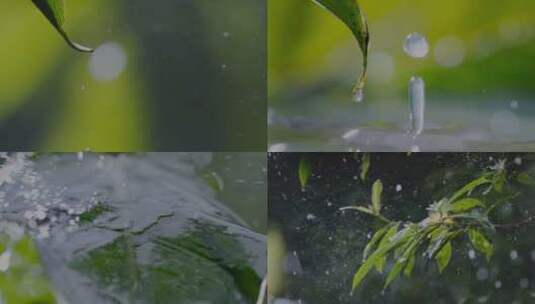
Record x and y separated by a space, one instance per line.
351 14
54 11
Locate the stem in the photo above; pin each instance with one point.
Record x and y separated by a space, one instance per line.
516 224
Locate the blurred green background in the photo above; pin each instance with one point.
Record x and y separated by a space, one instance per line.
492 44
194 78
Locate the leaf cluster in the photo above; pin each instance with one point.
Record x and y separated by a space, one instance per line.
448 219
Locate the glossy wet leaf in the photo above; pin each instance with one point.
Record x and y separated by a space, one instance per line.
408 250
54 11
464 205
393 242
481 243
377 190
443 257
351 14
468 188
374 241
305 171
203 265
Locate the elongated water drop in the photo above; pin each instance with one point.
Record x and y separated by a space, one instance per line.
416 45
417 104
358 95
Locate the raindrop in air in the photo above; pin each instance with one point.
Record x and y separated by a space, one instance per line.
417 104
416 45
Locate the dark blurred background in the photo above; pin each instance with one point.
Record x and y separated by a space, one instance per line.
192 79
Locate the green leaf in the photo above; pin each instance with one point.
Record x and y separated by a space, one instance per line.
359 208
480 243
377 189
465 204
526 179
410 266
54 11
443 257
470 187
374 241
380 263
305 171
350 13
409 250
365 166
363 270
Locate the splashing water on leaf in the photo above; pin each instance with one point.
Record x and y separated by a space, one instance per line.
350 13
54 11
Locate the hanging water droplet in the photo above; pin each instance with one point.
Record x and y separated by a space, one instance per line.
417 105
358 95
514 104
416 45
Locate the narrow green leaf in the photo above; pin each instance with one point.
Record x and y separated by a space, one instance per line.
359 208
377 190
443 257
54 11
481 243
465 204
365 268
410 266
364 166
409 249
499 181
305 171
389 237
470 187
350 13
374 241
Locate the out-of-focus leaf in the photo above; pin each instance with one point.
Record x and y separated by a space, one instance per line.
465 204
54 11
481 243
350 13
377 190
305 171
443 257
526 179
364 166
499 181
410 266
359 208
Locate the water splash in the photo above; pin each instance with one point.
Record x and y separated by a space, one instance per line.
416 105
416 45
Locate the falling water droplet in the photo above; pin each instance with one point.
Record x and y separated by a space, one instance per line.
358 95
417 105
416 45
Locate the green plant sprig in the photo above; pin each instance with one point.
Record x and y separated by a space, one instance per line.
448 219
